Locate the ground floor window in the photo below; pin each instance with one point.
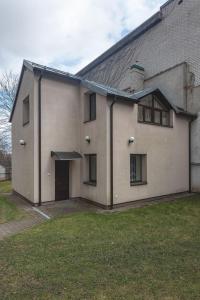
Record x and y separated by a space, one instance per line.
91 165
138 174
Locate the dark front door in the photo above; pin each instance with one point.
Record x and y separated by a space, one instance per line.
61 179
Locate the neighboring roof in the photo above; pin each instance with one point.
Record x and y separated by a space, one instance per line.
133 35
66 155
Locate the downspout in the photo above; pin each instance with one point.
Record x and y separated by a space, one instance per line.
111 154
39 141
190 184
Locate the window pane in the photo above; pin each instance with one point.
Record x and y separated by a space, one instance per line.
157 116
157 104
26 111
92 106
165 118
147 114
136 168
147 101
140 113
92 168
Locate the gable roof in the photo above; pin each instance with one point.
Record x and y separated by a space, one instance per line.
34 67
107 90
155 91
55 73
95 87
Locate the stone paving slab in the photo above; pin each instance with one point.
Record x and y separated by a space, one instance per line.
58 208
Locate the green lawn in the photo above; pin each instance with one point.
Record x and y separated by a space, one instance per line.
5 186
147 253
8 210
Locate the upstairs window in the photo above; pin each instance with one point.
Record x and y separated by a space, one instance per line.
90 107
26 111
152 111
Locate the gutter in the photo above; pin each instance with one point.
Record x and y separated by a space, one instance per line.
39 142
111 154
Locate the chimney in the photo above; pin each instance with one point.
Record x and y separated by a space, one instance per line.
133 80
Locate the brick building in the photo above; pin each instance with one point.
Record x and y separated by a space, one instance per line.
167 47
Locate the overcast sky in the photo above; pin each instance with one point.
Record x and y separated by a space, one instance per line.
65 34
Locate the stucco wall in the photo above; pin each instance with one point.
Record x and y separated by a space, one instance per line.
173 41
23 156
60 132
167 155
98 131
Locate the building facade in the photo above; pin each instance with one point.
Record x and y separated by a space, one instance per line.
167 47
74 138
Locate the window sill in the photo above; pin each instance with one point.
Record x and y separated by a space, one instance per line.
90 183
149 123
88 121
138 183
25 124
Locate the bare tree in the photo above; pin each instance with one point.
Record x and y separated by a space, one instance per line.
8 86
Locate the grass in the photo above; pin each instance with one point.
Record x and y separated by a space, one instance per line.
8 210
147 253
5 186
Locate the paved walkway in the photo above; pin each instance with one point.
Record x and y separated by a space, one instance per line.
30 219
37 215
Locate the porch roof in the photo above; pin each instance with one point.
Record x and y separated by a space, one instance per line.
66 155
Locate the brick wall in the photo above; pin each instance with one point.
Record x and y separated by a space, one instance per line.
172 41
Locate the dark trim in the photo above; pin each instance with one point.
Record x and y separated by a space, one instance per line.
195 164
190 163
17 92
138 183
97 204
111 155
88 121
24 198
166 3
39 142
152 199
93 183
155 124
25 101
